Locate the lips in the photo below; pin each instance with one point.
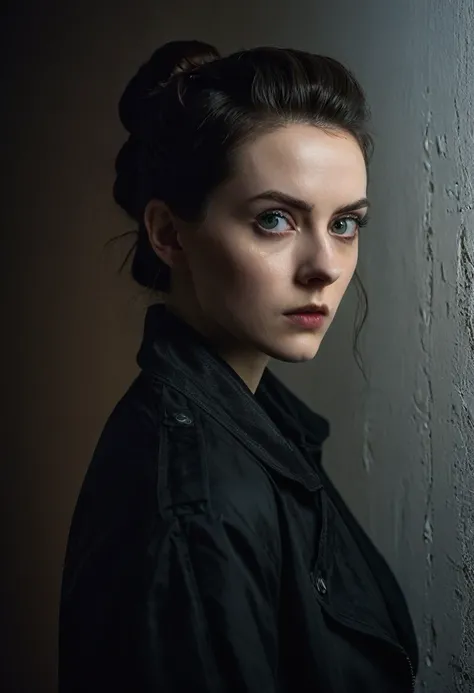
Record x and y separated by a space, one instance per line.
310 310
309 320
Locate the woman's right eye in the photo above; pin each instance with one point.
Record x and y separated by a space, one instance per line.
274 223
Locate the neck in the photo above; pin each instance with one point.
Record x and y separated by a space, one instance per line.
248 363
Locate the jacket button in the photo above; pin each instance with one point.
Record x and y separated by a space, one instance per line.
321 585
182 418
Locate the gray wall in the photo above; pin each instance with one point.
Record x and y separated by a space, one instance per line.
401 451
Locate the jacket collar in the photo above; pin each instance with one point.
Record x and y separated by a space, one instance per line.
277 426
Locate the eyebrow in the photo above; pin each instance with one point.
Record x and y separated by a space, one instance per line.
278 196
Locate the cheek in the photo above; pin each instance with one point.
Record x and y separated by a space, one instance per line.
351 269
354 262
235 268
349 260
254 278
347 265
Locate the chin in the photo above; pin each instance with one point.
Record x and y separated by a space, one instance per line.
295 353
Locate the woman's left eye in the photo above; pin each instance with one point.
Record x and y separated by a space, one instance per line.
273 223
347 226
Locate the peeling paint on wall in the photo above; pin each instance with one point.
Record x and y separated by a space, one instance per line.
463 467
424 390
463 665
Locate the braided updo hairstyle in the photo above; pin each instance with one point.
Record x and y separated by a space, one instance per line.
186 111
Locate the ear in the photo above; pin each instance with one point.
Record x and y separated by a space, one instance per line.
162 232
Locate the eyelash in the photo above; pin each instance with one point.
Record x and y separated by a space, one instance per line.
361 222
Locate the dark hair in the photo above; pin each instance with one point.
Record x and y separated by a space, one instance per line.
188 109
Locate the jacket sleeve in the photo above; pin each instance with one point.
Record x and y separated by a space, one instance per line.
208 621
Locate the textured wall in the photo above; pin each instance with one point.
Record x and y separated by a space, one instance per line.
402 451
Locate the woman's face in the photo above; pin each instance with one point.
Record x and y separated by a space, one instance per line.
280 234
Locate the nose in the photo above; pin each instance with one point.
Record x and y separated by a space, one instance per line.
319 260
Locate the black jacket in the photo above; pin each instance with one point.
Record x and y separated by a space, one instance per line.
210 553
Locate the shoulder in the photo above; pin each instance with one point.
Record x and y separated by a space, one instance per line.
129 437
119 480
161 451
203 470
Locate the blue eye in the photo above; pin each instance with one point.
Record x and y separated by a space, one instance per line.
274 222
348 227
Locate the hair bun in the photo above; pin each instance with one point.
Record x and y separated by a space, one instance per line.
152 76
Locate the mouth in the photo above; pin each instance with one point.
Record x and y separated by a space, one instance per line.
309 317
310 309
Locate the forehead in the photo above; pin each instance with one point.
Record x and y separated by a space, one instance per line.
319 166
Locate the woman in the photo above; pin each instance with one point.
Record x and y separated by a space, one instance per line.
208 551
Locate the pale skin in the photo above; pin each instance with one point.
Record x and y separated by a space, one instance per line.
233 282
